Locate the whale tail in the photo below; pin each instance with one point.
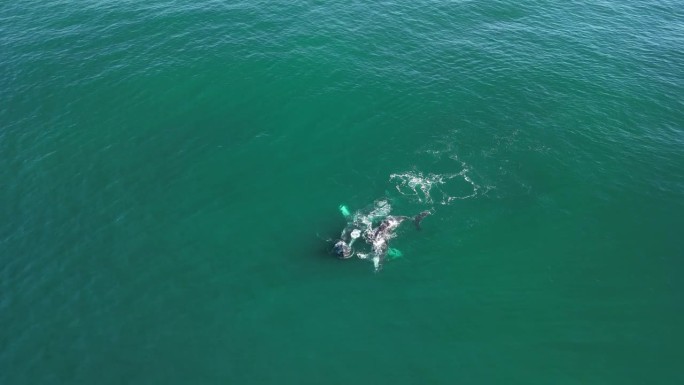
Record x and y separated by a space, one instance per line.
419 218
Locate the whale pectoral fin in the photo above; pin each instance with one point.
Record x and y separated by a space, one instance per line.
394 253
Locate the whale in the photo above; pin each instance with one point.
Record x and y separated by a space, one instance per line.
376 237
385 231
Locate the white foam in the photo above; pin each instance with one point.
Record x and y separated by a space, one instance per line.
427 188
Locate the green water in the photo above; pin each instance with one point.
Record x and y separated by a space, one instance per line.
170 170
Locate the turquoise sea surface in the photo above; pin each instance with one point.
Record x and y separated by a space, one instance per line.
171 171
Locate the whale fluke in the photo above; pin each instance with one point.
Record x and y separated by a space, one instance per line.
418 218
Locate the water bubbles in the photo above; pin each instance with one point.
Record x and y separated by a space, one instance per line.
436 188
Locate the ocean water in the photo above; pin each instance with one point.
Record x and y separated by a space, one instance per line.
171 171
